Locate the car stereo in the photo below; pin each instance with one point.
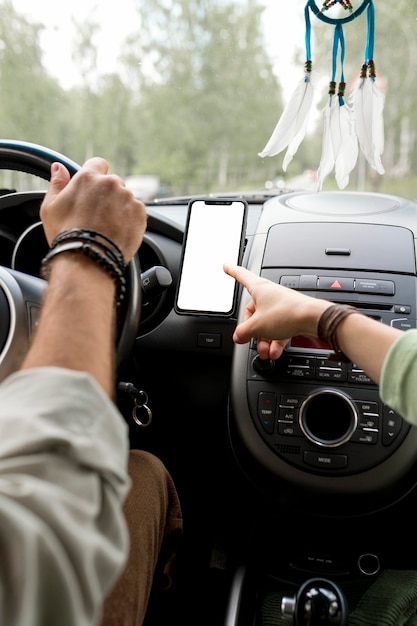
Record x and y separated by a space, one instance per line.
319 415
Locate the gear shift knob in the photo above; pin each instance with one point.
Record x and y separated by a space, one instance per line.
319 602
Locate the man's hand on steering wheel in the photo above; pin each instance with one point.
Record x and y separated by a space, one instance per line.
117 213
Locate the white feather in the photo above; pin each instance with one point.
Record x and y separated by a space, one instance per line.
291 127
368 102
340 144
378 102
295 143
347 154
327 159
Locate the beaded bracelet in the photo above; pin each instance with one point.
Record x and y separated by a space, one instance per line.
107 245
97 247
327 326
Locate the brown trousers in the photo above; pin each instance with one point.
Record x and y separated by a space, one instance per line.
154 519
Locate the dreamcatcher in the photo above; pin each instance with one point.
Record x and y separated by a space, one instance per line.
349 125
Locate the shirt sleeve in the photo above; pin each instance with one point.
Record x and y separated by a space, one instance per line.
63 479
398 386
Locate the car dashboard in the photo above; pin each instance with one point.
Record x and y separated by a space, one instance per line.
294 469
291 468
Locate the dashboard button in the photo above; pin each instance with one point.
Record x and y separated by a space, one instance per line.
336 283
300 367
308 281
405 309
209 340
381 287
325 461
365 436
391 425
292 282
267 403
288 429
403 323
358 376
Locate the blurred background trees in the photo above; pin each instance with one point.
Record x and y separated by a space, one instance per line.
196 95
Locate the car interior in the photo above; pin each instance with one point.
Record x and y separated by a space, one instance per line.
298 485
295 479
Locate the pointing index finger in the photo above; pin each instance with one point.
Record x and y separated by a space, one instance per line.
242 275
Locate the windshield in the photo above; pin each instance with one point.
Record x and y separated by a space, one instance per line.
183 96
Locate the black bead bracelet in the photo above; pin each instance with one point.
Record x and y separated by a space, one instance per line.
97 247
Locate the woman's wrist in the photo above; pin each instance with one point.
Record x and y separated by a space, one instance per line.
328 325
309 312
321 319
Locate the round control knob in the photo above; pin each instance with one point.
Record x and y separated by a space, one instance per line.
328 417
262 366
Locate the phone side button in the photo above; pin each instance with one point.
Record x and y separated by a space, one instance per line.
209 340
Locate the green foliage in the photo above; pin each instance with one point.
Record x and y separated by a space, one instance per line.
211 98
32 106
195 97
193 102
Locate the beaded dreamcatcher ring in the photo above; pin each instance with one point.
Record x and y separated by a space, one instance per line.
348 126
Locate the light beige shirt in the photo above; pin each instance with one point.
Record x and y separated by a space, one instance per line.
63 478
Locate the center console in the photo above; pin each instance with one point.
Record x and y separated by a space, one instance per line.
315 423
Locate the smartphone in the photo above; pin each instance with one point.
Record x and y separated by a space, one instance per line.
214 234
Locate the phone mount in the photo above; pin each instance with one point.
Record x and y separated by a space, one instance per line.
318 602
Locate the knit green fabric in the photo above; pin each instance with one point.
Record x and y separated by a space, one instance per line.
390 601
271 608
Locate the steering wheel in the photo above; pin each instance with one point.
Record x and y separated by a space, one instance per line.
21 294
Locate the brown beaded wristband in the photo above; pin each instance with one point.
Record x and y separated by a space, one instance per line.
327 326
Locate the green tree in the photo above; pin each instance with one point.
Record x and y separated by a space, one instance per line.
118 131
29 102
208 97
397 54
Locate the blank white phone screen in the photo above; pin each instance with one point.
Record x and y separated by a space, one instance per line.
214 236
